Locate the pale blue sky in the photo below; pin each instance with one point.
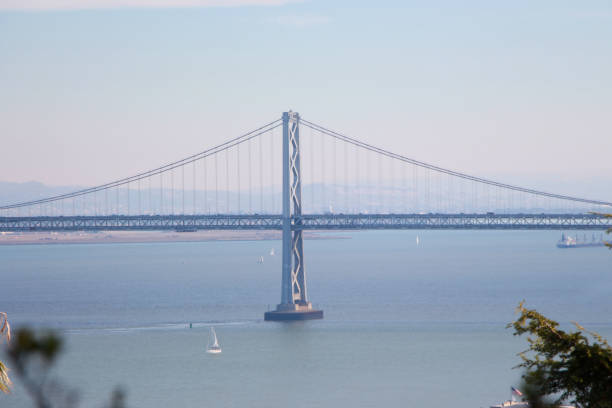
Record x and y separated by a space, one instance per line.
506 90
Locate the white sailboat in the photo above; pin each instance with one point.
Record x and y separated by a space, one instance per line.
261 259
213 343
272 252
417 240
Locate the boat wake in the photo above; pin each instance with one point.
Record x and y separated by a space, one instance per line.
159 327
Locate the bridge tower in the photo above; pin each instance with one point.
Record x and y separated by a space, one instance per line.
294 303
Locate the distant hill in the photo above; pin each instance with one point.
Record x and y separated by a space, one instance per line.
32 190
364 198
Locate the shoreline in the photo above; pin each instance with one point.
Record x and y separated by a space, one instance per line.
117 237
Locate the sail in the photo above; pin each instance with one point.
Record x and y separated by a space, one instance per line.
213 337
216 341
213 343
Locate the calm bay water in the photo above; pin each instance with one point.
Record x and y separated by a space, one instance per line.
405 324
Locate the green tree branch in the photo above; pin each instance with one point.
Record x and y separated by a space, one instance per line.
566 365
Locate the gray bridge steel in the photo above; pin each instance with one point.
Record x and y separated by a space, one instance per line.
308 222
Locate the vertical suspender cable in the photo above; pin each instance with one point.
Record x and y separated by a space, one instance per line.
127 191
463 195
238 174
415 187
392 185
161 193
335 162
368 175
311 144
250 171
510 200
205 177
150 211
474 197
427 190
272 159
227 185
440 179
217 183
358 178
451 199
346 189
323 158
404 188
380 183
260 140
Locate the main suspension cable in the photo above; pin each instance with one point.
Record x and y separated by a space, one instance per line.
387 153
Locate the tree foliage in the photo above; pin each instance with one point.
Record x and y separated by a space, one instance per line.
568 366
32 355
608 244
5 334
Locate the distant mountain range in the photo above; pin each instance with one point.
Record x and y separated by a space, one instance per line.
32 190
317 198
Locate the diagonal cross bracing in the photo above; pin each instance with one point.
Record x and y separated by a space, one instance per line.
293 290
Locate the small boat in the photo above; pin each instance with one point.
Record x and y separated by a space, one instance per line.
522 404
272 252
511 403
213 343
260 260
418 240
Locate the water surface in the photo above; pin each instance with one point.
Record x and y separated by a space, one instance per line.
405 324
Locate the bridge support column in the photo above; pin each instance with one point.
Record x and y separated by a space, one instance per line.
294 303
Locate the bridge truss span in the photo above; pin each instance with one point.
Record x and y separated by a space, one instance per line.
311 222
454 221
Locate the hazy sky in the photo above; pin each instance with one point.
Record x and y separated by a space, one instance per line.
500 89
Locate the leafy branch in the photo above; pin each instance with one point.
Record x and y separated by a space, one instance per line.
566 365
5 333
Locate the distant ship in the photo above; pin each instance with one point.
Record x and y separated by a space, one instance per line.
567 241
260 260
272 252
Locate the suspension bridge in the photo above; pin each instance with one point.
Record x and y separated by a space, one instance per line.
293 175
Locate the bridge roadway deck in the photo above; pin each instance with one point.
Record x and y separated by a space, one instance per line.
307 222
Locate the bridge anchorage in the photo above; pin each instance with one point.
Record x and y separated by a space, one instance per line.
294 303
